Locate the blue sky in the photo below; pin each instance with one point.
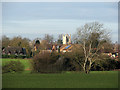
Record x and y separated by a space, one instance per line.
33 20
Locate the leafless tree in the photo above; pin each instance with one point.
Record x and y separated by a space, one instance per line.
91 37
59 41
48 38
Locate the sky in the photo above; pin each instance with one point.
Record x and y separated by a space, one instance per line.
34 19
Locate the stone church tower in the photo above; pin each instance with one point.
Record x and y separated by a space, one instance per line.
66 39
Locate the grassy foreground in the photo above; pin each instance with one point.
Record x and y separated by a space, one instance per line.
96 79
64 80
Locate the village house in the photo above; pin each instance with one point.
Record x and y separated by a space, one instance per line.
67 46
14 51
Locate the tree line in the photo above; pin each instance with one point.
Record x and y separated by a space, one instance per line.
92 40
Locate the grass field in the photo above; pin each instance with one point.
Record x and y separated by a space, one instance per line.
96 79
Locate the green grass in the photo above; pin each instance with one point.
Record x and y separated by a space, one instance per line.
64 80
96 79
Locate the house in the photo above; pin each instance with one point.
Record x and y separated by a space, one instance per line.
14 51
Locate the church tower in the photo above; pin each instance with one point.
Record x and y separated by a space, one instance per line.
66 39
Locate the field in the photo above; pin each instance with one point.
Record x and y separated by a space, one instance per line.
96 79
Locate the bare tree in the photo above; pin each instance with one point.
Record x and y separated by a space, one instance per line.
59 41
48 38
91 37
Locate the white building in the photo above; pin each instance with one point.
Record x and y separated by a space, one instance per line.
66 39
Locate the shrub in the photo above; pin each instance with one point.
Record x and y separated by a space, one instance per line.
21 56
5 56
47 63
12 56
28 56
15 56
118 65
105 65
13 66
71 61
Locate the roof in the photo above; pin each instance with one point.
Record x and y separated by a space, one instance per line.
67 47
14 50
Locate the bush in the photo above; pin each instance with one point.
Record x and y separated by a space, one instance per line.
5 56
105 65
13 66
12 56
71 61
47 63
28 56
20 56
118 65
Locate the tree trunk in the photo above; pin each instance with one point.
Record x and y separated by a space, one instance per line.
84 66
87 71
89 67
